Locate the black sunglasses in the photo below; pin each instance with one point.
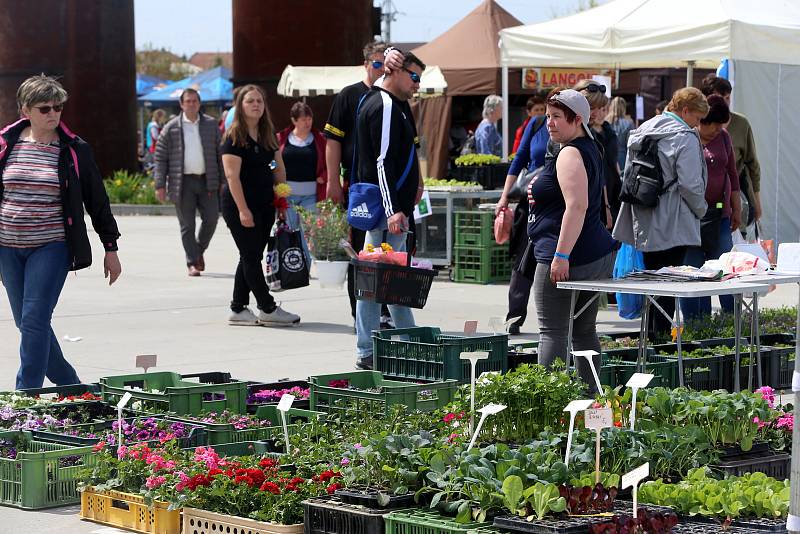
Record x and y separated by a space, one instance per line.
596 88
44 110
414 76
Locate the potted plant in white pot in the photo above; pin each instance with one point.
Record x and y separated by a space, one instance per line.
324 230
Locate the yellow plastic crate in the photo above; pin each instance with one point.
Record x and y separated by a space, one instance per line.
204 522
128 511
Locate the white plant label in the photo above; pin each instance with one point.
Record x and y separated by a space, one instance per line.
589 354
599 418
496 324
473 358
637 381
470 327
486 411
285 402
126 398
573 408
633 478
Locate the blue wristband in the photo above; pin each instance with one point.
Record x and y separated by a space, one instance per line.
562 256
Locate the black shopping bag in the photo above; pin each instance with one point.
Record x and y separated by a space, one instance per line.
286 262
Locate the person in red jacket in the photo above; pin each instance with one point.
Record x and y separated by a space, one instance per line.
534 107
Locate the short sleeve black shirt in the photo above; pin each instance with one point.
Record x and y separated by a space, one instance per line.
256 176
342 119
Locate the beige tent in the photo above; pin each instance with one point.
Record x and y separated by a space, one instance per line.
313 81
469 57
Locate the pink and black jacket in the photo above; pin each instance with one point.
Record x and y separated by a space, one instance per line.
81 186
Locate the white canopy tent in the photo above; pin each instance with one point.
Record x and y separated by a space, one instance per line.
297 82
761 40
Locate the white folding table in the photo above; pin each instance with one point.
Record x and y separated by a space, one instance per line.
651 289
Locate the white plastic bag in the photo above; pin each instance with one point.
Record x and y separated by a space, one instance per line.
743 263
737 237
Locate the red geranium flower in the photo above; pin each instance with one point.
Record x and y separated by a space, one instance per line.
270 487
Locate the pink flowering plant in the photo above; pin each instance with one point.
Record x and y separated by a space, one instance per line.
777 431
271 396
238 421
324 229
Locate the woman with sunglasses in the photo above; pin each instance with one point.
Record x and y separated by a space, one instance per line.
48 177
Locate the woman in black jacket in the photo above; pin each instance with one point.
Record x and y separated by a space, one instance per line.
48 177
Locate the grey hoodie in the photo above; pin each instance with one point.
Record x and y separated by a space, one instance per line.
675 221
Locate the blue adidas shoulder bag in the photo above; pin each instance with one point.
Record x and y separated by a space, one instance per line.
365 203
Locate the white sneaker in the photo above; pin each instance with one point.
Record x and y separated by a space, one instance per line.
243 318
278 317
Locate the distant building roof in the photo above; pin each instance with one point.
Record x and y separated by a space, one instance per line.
209 60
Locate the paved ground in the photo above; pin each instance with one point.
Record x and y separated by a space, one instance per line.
156 309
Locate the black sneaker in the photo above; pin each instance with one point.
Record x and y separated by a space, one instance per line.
364 364
513 330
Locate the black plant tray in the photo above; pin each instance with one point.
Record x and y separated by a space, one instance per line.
368 497
735 452
329 515
252 387
775 465
568 524
750 523
705 528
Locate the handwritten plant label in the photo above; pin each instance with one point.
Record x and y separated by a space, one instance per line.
598 418
470 327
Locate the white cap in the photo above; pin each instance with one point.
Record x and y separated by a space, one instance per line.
578 104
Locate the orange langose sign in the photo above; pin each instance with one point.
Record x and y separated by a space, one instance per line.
544 78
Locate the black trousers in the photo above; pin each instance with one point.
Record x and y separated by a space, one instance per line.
252 243
519 293
658 325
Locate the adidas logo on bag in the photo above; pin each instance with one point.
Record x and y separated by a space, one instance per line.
360 211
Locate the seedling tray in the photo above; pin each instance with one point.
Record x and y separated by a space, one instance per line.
775 465
424 353
368 498
35 479
428 522
176 394
368 394
329 515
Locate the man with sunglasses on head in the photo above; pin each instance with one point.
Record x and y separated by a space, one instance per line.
386 155
378 59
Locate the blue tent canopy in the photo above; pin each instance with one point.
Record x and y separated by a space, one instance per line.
214 86
145 83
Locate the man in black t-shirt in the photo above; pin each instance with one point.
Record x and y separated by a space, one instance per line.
339 132
387 157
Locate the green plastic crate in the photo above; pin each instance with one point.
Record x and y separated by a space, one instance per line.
195 437
429 522
34 480
176 395
474 228
482 265
373 394
219 433
423 353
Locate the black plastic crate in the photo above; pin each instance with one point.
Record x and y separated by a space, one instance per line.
369 499
62 391
386 283
706 528
329 515
253 387
775 465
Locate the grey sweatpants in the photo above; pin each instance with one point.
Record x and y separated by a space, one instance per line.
194 197
553 307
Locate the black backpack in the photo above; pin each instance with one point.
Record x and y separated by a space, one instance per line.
643 179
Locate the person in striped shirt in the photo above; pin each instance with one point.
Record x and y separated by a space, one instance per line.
48 177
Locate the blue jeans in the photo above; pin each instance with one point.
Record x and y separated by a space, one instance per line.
697 307
368 313
33 278
308 203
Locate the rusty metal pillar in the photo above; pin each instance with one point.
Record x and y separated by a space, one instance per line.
270 34
90 45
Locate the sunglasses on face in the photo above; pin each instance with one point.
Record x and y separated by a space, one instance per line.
414 76
44 110
595 88
377 64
